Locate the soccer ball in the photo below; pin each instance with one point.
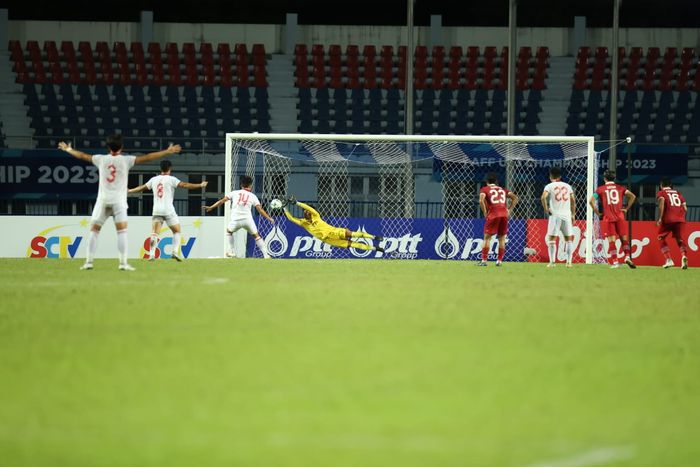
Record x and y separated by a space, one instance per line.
275 204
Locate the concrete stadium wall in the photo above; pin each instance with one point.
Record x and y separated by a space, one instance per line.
559 40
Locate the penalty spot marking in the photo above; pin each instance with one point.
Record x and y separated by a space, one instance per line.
215 281
600 456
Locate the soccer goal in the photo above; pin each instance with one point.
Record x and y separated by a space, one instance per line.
419 192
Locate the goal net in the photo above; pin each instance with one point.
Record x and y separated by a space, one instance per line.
419 193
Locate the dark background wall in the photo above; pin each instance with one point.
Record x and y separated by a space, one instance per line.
536 13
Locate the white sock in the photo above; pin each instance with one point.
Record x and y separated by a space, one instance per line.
229 237
121 246
91 246
261 244
176 243
569 251
154 242
552 250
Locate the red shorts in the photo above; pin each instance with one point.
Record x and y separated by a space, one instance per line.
496 226
675 228
614 228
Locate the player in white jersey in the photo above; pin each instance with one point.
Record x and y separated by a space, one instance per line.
559 202
163 187
241 216
111 194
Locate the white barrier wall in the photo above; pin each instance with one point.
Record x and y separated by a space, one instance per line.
66 237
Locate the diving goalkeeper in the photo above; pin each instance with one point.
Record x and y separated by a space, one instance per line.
336 236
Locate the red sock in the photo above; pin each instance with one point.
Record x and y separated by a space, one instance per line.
664 248
501 253
626 247
612 258
681 246
485 253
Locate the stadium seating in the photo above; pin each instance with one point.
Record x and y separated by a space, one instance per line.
657 94
457 90
152 94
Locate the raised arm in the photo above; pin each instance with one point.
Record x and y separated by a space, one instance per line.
292 218
172 149
306 207
264 213
138 189
74 152
217 204
192 186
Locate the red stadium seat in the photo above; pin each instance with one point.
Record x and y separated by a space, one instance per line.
258 50
121 57
104 58
139 60
300 49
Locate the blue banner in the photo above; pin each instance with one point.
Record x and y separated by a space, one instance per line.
41 172
419 239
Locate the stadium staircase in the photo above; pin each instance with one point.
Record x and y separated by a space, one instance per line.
557 96
15 129
282 94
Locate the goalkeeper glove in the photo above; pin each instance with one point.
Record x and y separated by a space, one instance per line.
291 200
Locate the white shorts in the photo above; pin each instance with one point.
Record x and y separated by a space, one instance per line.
169 219
102 211
247 224
558 224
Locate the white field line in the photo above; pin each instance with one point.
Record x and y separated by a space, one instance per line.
215 280
600 456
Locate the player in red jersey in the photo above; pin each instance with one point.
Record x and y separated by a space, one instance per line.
613 216
494 205
672 209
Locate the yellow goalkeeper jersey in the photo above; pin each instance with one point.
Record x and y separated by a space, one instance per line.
316 226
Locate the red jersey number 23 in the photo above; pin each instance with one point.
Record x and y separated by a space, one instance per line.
498 196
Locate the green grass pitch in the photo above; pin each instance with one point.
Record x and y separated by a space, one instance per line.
347 363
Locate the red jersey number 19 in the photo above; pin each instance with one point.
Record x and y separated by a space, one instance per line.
613 197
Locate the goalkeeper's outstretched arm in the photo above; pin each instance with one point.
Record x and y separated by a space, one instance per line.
306 207
292 218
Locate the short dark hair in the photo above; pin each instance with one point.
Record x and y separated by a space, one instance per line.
666 181
491 177
246 180
609 175
115 142
165 165
555 172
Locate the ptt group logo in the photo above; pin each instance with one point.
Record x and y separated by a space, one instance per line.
50 244
306 246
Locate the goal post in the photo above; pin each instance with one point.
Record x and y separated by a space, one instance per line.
419 192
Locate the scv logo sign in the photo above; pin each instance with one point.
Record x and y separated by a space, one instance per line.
167 242
44 246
